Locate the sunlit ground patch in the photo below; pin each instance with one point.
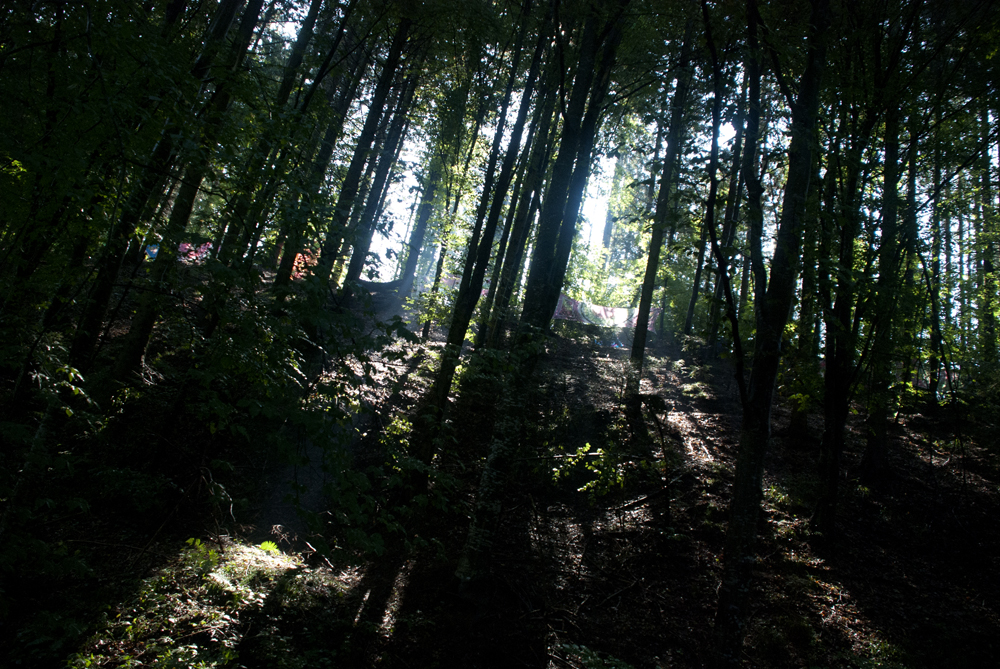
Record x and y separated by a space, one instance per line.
198 610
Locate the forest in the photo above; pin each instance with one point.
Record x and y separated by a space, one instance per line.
499 333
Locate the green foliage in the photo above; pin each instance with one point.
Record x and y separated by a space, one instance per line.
198 610
883 655
432 306
583 656
602 471
201 558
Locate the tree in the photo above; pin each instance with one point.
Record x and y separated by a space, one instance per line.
678 107
772 314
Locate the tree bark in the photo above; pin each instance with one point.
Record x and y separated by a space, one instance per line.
526 206
351 183
148 184
296 226
141 328
557 226
554 202
388 157
874 462
663 206
745 507
470 291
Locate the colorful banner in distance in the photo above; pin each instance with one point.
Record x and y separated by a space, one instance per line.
569 309
188 253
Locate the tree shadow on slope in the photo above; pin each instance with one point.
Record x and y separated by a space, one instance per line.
910 580
572 573
919 553
630 575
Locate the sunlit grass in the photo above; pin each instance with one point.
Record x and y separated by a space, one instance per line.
197 610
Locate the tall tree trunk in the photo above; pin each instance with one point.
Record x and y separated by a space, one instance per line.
696 284
937 209
485 316
147 185
491 165
349 188
238 216
755 430
390 153
141 328
663 206
526 206
840 377
298 221
445 156
733 195
469 292
874 462
554 202
581 172
986 236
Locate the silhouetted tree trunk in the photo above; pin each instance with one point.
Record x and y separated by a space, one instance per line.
254 176
448 147
349 188
494 156
987 252
554 203
844 215
504 244
729 224
295 227
469 292
874 463
388 157
148 184
660 219
557 224
150 305
581 172
526 206
772 315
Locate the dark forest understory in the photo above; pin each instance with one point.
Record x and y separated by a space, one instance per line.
475 333
622 575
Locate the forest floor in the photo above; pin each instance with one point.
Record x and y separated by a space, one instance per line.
606 553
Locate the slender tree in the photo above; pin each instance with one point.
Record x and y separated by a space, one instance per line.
772 315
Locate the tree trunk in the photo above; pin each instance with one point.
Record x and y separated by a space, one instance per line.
484 201
469 292
445 155
485 316
987 251
526 206
874 462
150 181
733 195
696 284
352 180
141 328
554 202
663 206
298 222
254 175
745 508
841 339
559 224
390 153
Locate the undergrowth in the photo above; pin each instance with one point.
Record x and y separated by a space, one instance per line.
198 610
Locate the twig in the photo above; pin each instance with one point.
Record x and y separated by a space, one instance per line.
615 594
